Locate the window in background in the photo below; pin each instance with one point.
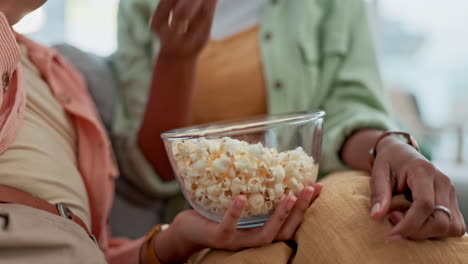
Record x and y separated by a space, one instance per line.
87 24
45 25
92 25
32 23
424 51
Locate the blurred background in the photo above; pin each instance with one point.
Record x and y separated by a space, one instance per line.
423 46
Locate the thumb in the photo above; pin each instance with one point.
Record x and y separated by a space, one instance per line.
381 190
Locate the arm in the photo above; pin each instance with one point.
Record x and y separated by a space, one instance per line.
356 107
398 167
355 152
170 98
148 106
169 106
133 63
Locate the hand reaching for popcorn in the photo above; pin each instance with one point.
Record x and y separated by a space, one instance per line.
190 232
183 26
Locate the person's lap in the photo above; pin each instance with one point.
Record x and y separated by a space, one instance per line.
29 235
338 229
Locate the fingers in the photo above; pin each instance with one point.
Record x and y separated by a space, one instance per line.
186 10
209 8
206 14
458 226
429 188
422 186
161 15
438 224
183 26
318 189
232 215
178 15
227 236
381 190
276 221
395 217
203 20
305 199
281 225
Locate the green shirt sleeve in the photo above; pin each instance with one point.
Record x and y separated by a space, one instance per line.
356 99
133 64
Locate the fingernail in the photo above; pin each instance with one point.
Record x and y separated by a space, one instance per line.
375 209
394 238
240 203
292 200
310 192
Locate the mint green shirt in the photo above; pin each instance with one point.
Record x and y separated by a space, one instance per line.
317 54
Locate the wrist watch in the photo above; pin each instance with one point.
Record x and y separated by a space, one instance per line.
404 135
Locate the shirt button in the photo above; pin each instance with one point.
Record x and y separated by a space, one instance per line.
268 36
278 85
64 98
5 82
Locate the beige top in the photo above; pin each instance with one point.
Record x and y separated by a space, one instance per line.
229 81
43 158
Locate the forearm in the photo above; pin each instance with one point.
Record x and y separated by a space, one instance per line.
355 151
169 106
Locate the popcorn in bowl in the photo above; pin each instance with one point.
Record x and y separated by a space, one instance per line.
215 171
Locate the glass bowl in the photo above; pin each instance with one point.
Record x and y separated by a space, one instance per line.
263 158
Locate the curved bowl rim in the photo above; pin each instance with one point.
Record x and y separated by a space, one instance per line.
241 124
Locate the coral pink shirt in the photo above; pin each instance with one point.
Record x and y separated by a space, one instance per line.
94 150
